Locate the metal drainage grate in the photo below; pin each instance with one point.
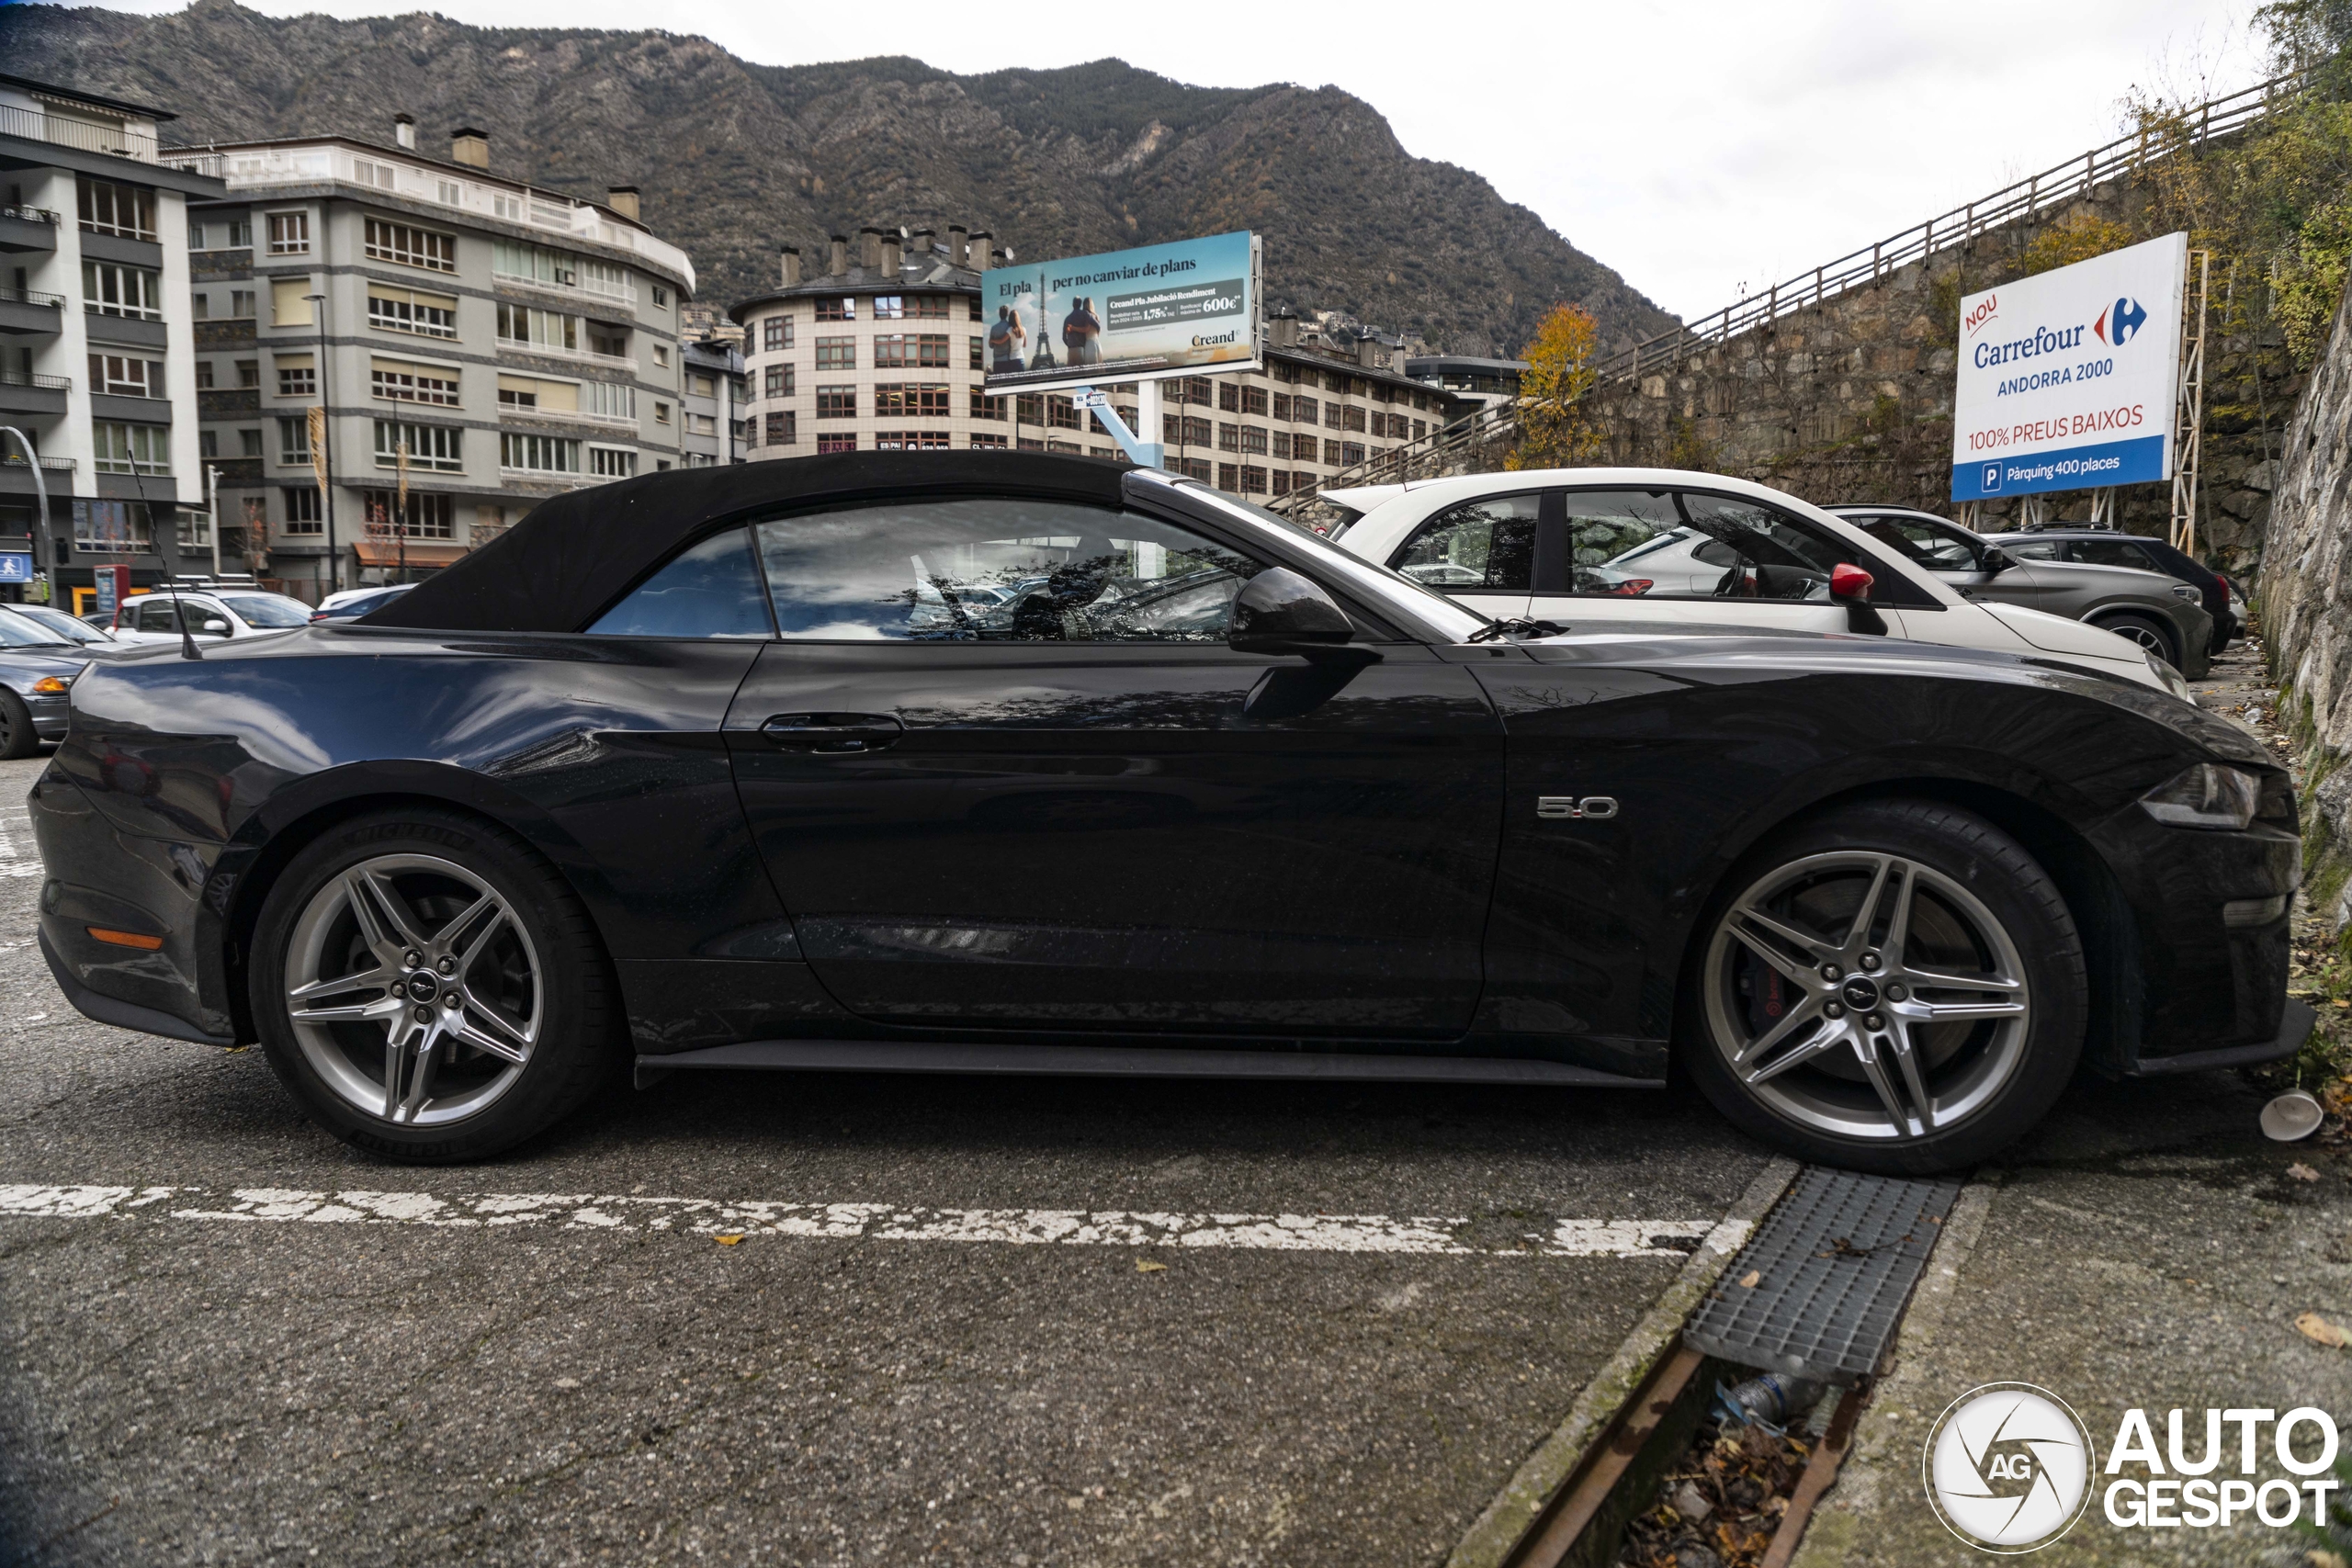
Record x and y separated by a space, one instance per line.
1835 1264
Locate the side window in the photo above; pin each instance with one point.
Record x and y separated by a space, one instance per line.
713 590
1627 541
2114 552
1488 544
1777 557
996 569
155 615
1930 547
2030 549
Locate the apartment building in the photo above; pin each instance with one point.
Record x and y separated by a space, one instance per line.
883 351
712 396
98 354
477 344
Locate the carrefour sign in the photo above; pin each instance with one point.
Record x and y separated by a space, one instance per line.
2069 381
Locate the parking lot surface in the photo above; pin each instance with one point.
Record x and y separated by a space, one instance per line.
800 1319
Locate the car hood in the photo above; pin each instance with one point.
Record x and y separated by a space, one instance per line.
2056 634
32 663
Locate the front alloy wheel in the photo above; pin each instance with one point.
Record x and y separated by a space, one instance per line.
1867 995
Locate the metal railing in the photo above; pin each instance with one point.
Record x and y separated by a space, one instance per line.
2054 187
15 459
212 165
31 296
1415 459
63 130
32 215
35 379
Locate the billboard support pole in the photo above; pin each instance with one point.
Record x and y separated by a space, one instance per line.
2190 419
1099 403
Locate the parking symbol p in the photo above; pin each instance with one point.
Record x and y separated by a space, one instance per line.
1992 476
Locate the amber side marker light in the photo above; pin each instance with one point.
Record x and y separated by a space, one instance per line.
50 686
126 938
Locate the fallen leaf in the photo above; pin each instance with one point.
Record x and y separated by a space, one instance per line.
1750 1280
2301 1172
2319 1331
729 1240
2342 1003
1144 1266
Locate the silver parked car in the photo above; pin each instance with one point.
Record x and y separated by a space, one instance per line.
2161 614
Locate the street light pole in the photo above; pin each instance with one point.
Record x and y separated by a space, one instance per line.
326 442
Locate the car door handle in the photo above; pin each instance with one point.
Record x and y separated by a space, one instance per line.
833 733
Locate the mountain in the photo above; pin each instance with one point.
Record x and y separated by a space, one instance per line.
737 159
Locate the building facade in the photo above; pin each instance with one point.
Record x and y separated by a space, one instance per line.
398 356
97 351
884 350
712 395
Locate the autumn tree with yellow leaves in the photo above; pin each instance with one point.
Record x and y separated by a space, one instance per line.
1557 426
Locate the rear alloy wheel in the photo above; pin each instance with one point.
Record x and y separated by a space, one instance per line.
1899 987
2148 633
430 989
18 736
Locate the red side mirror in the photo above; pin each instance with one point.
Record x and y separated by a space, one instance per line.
1849 583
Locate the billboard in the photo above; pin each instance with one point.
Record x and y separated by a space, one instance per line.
1174 309
2070 380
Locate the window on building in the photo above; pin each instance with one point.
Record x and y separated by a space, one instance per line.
781 429
120 375
661 297
1228 438
887 307
701 386
411 246
1281 406
911 399
248 375
1197 391
290 303
1253 438
837 402
702 424
249 444
200 306
1354 417
111 528
297 377
775 381
425 517
109 208
1184 429
375 176
404 311
204 375
1029 408
109 289
1253 400
451 193
434 446
208 442
836 354
1306 409
1060 413
910 441
988 442
533 328
660 413
304 515
403 383
1228 397
1331 453
896 351
837 309
607 399
538 454
985 407
1229 478
836 443
1254 480
533 263
661 356
1305 449
290 233
977 359
294 441
132 448
1350 453
775 333
611 463
929 307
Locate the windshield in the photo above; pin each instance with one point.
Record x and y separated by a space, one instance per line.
17 631
1448 620
267 610
59 624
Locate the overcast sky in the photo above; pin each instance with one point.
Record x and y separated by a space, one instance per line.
1695 147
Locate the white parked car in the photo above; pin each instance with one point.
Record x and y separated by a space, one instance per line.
1586 546
211 613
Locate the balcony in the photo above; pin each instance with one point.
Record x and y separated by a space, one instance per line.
28 229
59 130
624 295
578 356
570 416
33 393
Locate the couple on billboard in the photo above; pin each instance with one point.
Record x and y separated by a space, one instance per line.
1080 328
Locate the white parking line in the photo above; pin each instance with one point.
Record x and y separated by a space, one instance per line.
883 1221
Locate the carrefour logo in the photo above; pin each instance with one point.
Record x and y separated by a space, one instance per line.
2119 320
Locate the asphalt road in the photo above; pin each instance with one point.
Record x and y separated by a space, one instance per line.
225 1339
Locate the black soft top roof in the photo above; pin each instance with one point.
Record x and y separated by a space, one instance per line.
568 562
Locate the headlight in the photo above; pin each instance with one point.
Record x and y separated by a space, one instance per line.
2175 681
2207 795
2189 591
51 686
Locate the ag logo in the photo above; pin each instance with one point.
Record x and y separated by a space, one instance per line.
2119 320
2008 1467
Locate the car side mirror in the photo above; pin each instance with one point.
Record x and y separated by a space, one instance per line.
1994 560
212 626
1278 611
1849 585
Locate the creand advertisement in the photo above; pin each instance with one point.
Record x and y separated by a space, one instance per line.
2068 380
1174 309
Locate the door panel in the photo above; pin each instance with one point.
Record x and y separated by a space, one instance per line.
1134 836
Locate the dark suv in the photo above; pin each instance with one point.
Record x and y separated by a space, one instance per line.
2104 547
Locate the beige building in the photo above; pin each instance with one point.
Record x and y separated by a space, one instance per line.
882 350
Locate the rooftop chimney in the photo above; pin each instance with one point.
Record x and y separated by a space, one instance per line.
959 245
869 248
982 255
893 256
404 130
623 200
837 259
1368 351
468 145
1282 328
919 248
790 271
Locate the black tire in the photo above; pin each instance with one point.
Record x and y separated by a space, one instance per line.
573 1016
18 736
2145 630
1958 870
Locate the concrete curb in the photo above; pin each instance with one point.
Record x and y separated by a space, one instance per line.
1886 1448
1496 1532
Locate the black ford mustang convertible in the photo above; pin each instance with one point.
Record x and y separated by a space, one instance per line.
992 762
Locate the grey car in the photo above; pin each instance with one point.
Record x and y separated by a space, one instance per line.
2161 614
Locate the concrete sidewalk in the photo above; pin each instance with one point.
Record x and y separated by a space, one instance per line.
2146 1247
